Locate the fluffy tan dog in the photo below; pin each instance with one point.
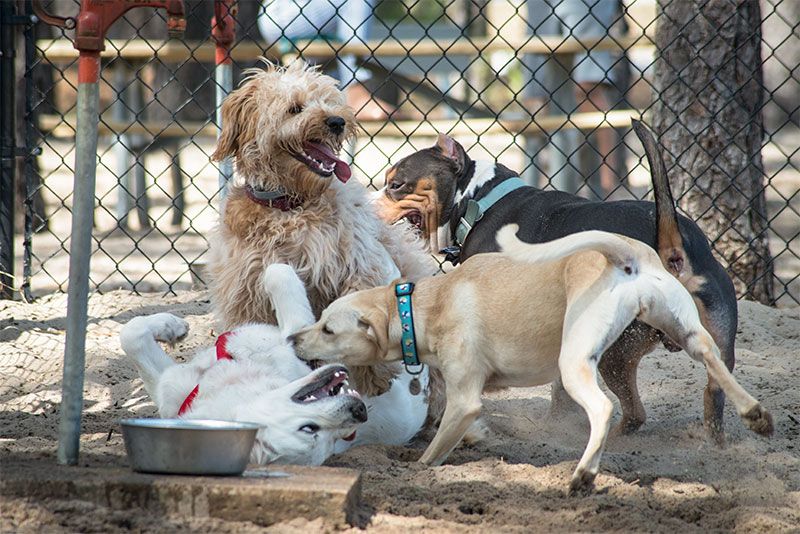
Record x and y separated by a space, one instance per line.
499 322
291 203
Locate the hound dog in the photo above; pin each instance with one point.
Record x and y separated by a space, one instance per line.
438 190
524 318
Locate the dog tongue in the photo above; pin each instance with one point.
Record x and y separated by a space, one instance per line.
341 170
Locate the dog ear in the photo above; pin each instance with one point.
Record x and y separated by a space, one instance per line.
239 122
376 327
452 150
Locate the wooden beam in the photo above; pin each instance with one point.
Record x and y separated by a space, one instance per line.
174 51
64 127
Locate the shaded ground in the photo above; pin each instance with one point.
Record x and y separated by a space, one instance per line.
665 478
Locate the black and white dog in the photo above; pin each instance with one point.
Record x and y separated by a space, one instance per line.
451 198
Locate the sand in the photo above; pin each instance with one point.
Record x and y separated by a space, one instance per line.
664 478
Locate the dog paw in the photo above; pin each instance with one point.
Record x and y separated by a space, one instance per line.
627 425
759 420
168 328
476 432
582 482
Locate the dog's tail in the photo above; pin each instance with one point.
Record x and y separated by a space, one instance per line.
614 248
669 242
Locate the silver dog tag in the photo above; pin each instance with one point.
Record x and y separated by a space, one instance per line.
413 387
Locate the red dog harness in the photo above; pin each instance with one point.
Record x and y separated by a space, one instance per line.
222 354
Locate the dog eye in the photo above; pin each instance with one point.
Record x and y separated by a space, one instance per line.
310 428
295 109
395 185
326 330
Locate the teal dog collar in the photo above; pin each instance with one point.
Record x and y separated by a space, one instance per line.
476 208
409 339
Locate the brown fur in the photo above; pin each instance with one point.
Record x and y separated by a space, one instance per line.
334 241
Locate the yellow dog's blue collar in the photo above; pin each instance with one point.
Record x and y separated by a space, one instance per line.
408 340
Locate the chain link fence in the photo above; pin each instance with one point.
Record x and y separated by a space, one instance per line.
547 87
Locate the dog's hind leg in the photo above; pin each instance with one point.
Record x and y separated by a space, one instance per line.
592 322
672 310
722 328
289 298
139 339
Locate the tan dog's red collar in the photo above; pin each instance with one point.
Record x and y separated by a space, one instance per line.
272 199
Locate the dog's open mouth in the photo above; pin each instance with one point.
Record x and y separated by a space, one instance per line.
332 383
415 219
322 160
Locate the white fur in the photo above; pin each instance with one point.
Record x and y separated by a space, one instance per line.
257 385
484 171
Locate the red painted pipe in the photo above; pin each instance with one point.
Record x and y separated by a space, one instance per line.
88 67
223 29
95 17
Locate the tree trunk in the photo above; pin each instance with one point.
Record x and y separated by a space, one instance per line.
707 112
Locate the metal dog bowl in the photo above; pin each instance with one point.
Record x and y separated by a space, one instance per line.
188 447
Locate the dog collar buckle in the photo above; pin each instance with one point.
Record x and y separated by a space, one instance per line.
408 341
471 216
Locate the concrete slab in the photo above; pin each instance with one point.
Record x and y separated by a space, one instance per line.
263 496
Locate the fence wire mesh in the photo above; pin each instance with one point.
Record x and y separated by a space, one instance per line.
546 87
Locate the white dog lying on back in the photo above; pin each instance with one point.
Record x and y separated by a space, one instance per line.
252 374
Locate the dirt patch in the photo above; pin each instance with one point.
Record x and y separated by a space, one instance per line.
666 477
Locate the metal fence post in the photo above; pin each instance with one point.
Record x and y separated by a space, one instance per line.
122 146
91 25
8 148
223 31
80 250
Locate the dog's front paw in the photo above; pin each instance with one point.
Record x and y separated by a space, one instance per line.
759 420
582 482
168 328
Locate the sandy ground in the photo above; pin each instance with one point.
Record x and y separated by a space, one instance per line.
665 478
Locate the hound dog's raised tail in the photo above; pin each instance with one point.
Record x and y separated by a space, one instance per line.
669 241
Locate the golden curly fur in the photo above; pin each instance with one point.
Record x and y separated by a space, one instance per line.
334 240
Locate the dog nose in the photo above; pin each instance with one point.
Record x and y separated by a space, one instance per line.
359 411
336 124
